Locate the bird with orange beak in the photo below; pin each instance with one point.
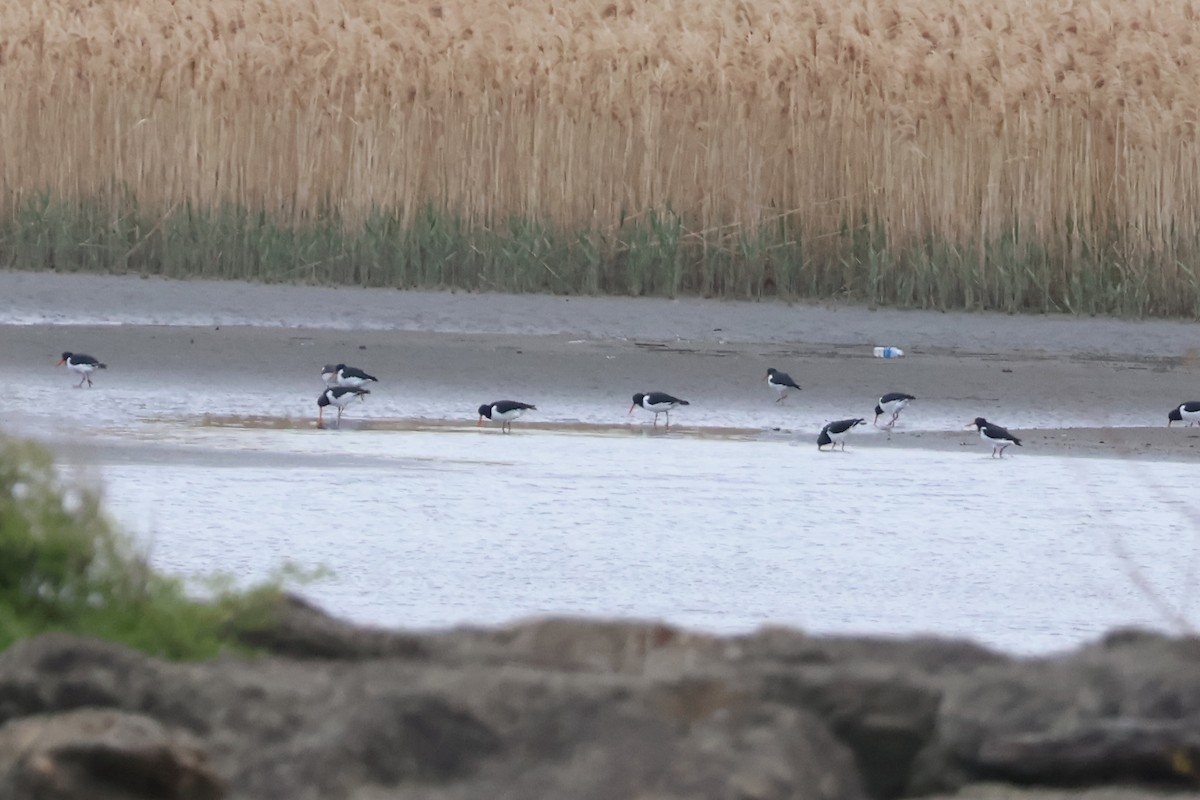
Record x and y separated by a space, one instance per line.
83 365
656 403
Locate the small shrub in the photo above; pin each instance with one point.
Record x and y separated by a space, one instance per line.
65 567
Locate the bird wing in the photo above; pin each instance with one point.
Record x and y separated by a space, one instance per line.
504 406
658 398
996 432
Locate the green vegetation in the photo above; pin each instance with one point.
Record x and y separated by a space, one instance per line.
652 254
63 567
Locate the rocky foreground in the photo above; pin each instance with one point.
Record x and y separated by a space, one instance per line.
595 711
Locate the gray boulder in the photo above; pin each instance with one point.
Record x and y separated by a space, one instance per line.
102 755
595 710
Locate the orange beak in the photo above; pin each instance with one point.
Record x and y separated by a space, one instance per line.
321 418
1169 422
477 424
61 361
631 408
969 425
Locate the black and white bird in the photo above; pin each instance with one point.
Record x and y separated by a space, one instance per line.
504 412
781 382
836 432
1188 412
656 403
892 403
999 438
84 365
342 375
339 396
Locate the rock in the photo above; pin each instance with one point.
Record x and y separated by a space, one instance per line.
675 742
927 654
884 714
629 648
1127 708
57 672
102 755
595 710
296 628
381 741
1106 751
999 791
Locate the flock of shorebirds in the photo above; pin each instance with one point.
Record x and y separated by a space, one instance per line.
344 384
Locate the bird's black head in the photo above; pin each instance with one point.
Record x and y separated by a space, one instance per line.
878 410
771 371
323 400
1176 414
979 422
637 398
66 356
485 411
339 368
858 422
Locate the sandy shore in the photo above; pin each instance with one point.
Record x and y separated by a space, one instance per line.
1092 387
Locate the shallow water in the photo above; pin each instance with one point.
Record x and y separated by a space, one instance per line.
438 525
204 442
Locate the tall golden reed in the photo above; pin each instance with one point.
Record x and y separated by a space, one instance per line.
1065 123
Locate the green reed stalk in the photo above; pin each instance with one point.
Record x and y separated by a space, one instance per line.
656 253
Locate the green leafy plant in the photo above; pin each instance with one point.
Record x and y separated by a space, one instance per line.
65 567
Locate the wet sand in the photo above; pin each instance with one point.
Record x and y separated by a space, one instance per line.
1106 393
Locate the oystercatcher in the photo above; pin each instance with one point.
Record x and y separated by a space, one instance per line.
504 412
891 403
781 382
342 375
836 432
84 365
339 396
1185 412
998 437
658 403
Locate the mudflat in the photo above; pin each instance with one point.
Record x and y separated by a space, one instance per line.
1086 386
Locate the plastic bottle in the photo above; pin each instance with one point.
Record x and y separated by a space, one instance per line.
889 352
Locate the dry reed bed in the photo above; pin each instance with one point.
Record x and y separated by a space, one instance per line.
978 134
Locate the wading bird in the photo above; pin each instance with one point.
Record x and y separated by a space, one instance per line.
998 437
836 432
1188 412
891 403
342 375
84 365
781 382
504 412
339 396
656 403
